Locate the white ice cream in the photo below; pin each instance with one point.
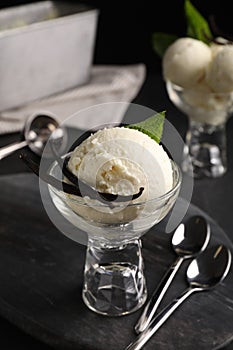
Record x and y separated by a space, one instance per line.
205 106
185 61
121 160
220 71
205 77
217 46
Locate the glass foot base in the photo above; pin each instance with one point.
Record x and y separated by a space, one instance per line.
205 150
114 283
204 165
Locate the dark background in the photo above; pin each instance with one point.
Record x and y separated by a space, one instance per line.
125 27
124 35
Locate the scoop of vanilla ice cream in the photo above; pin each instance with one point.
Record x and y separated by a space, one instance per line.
205 106
216 47
121 160
219 75
185 61
203 97
199 95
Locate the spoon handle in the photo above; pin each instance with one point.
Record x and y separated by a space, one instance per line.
159 320
7 150
157 296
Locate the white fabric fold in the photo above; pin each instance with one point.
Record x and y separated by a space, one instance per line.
107 83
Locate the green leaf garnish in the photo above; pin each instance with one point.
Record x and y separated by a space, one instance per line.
197 26
161 41
152 126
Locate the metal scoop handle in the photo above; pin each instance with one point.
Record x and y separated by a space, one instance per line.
7 150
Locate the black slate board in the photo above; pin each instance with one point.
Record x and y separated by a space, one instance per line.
41 281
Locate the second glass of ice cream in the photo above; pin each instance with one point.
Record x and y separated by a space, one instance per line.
199 81
122 161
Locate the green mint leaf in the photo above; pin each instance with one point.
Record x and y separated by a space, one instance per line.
161 41
197 27
152 126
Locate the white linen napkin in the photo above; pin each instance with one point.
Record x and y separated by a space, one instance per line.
107 84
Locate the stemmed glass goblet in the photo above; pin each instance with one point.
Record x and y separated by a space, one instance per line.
207 114
114 281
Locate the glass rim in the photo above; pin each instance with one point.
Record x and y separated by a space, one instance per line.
81 200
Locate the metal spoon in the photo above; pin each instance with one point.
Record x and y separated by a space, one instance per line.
37 130
189 239
203 273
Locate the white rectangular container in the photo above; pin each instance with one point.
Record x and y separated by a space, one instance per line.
45 48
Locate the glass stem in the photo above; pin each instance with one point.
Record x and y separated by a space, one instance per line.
114 282
205 149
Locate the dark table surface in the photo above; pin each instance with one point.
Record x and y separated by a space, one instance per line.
214 196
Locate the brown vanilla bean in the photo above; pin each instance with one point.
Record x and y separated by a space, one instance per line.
81 189
49 179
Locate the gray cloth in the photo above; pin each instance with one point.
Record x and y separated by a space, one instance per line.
107 84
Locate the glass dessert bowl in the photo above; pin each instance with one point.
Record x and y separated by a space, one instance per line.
114 281
207 113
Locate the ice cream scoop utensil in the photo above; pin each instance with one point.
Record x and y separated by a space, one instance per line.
189 239
37 130
203 273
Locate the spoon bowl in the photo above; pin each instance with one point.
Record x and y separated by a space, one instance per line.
191 238
38 129
209 269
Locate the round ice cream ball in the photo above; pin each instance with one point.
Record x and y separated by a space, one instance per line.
217 45
120 161
199 95
205 106
185 61
219 74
